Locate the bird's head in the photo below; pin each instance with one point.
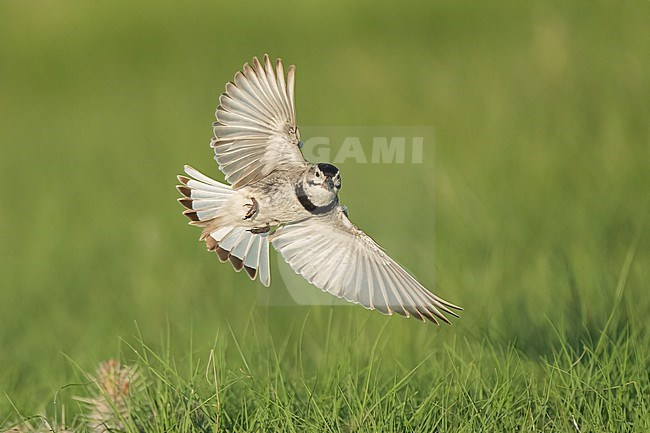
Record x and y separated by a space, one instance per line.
322 183
326 176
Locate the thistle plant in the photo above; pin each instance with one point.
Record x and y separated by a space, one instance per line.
108 403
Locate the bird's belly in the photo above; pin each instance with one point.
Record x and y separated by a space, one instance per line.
278 209
277 203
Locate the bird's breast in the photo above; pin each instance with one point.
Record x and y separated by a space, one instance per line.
277 200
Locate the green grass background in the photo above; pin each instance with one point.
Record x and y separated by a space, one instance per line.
529 213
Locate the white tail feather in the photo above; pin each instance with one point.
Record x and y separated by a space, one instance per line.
250 250
204 199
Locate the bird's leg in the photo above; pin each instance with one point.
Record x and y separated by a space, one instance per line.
252 209
258 230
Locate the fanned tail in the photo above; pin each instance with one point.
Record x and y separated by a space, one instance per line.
203 198
244 249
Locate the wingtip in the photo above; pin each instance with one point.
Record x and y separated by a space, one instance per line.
279 68
256 63
450 305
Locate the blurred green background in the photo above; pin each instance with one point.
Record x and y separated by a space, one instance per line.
524 214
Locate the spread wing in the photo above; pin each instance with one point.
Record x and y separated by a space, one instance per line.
337 257
255 132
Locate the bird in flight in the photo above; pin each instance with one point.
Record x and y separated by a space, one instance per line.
277 197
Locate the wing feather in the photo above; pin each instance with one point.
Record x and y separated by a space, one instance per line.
288 102
291 77
346 279
255 131
258 90
246 81
393 299
272 81
236 101
324 274
337 257
409 300
380 300
265 86
360 285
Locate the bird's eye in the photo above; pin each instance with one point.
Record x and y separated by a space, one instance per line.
317 174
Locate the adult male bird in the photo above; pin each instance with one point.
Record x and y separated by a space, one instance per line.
276 196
